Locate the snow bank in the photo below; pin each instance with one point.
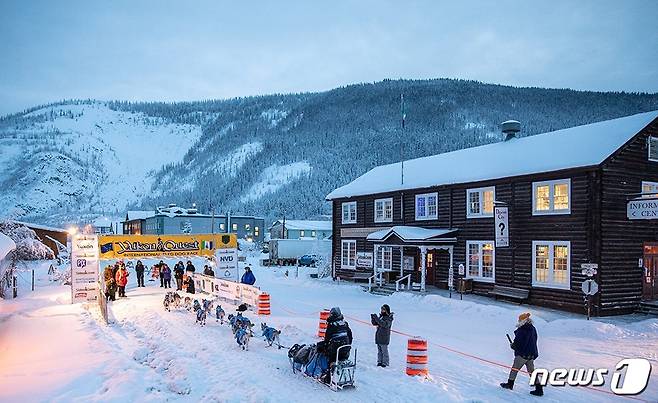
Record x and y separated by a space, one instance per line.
6 245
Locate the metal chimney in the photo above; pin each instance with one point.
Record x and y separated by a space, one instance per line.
510 128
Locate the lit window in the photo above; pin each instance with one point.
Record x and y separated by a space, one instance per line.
653 148
349 213
234 227
480 260
551 264
383 258
427 206
256 231
551 197
222 226
649 189
384 210
313 234
348 254
480 202
301 233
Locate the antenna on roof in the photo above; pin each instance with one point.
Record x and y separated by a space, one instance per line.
404 117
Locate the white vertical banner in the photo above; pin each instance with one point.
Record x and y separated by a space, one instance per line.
84 268
227 264
501 226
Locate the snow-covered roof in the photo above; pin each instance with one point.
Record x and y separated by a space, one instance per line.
6 245
407 233
39 226
139 214
306 225
579 146
102 222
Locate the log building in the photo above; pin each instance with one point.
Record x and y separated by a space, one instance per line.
581 195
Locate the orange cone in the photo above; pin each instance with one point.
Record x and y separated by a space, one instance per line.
323 323
417 358
264 304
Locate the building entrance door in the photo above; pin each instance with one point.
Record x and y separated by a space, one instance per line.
650 274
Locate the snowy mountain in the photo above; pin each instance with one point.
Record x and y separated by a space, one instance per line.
266 155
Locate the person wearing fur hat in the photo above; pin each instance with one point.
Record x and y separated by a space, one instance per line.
383 333
525 352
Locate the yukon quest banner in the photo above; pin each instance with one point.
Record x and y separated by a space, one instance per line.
84 268
143 246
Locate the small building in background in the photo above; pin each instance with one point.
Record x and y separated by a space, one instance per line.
300 229
174 219
53 237
103 226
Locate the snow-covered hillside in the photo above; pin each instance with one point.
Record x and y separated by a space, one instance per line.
85 157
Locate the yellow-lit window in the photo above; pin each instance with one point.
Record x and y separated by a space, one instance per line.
551 197
550 264
542 198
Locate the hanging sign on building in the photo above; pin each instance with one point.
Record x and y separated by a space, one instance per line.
364 259
642 209
84 268
144 246
501 226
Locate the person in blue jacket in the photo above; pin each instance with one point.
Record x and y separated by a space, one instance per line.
525 352
248 276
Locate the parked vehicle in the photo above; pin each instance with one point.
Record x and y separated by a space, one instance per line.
307 260
287 251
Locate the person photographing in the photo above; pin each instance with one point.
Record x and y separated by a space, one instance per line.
383 321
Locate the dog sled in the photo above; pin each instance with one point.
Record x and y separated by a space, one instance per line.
312 363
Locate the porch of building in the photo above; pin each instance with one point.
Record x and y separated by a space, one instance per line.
418 249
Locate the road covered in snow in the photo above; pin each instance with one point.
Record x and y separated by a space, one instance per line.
57 352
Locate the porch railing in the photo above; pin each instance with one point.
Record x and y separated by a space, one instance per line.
378 278
401 279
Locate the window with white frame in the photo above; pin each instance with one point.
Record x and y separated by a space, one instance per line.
649 189
383 258
427 206
234 227
349 213
652 145
348 254
551 197
313 234
384 210
551 264
480 202
480 260
301 233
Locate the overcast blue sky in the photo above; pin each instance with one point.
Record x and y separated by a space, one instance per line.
187 50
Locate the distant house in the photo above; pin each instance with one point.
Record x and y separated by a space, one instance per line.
174 219
585 195
103 226
298 229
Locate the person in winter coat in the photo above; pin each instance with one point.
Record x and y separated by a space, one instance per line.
190 267
139 269
179 270
161 274
122 280
525 352
383 333
248 276
166 275
189 284
110 283
207 270
338 334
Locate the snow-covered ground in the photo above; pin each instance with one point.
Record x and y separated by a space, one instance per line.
57 352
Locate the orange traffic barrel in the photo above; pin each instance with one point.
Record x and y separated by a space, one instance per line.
417 357
263 304
324 314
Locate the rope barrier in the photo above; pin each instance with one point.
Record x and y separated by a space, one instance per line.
485 360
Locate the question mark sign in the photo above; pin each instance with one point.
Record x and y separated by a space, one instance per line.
502 228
